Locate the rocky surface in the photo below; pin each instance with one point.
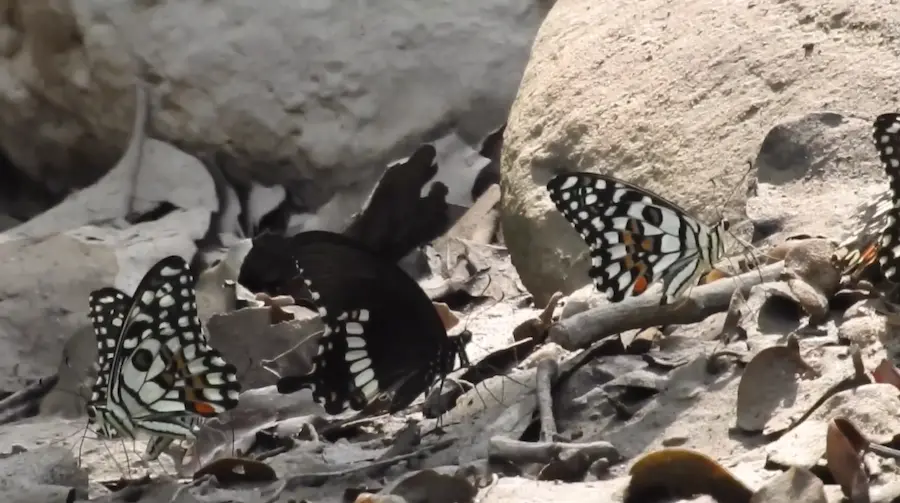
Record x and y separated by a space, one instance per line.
680 98
777 386
316 94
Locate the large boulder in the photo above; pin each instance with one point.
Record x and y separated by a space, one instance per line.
678 98
289 90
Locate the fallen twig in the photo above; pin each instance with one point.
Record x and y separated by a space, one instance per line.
584 328
516 451
546 373
308 479
26 402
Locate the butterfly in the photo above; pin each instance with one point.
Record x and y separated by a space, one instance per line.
382 334
858 254
156 372
109 307
636 237
887 141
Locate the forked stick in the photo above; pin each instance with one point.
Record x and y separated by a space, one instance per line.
585 328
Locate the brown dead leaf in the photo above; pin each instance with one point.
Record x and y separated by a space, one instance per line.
769 381
887 373
275 305
682 473
844 446
641 341
537 329
433 487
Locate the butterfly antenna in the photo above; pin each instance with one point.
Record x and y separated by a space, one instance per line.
749 251
265 362
126 474
458 347
464 356
81 443
735 187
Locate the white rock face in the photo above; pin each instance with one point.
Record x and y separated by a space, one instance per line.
312 85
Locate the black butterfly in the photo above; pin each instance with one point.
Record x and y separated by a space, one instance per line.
383 334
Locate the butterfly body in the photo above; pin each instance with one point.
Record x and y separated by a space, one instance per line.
636 237
383 334
156 372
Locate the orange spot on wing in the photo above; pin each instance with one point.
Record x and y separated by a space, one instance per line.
647 244
204 409
640 285
640 278
869 254
627 238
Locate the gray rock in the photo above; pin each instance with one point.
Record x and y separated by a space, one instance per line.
149 173
298 87
47 474
679 104
46 282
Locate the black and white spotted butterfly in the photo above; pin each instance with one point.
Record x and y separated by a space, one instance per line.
109 307
857 256
887 141
636 237
383 336
156 372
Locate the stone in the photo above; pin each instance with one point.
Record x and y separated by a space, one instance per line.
679 100
46 282
289 90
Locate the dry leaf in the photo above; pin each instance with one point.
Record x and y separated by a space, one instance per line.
843 452
769 381
887 373
682 473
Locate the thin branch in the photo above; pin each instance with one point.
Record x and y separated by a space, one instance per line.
584 328
519 452
546 373
316 477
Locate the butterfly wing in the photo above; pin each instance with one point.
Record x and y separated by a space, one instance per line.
383 333
163 368
635 237
858 253
887 141
107 310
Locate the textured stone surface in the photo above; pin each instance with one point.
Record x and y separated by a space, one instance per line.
679 99
296 87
